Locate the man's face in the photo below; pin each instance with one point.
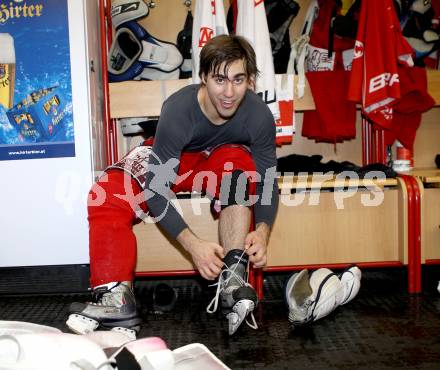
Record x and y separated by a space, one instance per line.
226 92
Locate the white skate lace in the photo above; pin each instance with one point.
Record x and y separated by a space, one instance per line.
112 297
221 287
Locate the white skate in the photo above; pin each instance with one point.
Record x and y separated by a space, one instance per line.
115 309
310 298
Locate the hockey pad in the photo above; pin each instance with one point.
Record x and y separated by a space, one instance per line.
161 55
128 10
184 44
138 125
430 36
130 126
123 64
154 74
351 283
22 327
196 356
50 351
421 7
280 15
144 353
149 126
135 54
420 46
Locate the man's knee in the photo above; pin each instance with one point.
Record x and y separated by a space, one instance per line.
235 158
234 189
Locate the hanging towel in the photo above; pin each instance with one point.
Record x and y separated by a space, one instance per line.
252 24
209 21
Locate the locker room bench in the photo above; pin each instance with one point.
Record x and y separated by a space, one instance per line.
430 213
326 236
312 234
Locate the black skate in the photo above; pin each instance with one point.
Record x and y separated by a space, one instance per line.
238 298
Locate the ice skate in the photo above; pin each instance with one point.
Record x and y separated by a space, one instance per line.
314 296
115 309
238 298
351 283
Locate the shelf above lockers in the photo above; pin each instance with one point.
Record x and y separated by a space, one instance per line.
426 175
144 98
324 182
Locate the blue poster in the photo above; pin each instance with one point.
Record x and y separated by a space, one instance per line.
36 115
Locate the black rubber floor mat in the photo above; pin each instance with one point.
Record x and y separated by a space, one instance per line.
383 327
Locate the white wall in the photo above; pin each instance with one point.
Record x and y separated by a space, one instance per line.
43 213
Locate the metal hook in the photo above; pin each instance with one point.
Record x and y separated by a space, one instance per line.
151 4
187 3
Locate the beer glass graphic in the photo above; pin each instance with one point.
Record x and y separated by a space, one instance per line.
7 70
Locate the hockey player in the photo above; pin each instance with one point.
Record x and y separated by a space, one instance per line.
217 130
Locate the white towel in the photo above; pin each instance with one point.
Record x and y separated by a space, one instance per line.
252 24
209 21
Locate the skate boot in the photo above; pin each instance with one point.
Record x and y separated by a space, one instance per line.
237 298
312 297
115 309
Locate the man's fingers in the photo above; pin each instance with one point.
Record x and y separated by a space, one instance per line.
218 263
215 269
253 258
208 275
252 250
204 276
259 265
212 269
219 251
249 240
259 259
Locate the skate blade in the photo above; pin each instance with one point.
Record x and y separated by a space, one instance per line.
80 324
130 333
239 313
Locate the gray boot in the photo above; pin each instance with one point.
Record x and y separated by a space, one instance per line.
114 307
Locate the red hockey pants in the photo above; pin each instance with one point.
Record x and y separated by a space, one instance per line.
112 241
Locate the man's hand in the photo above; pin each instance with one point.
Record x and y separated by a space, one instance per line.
256 245
207 256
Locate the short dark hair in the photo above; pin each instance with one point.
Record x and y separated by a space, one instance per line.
227 49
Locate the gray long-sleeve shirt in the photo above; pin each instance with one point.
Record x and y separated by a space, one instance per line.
184 127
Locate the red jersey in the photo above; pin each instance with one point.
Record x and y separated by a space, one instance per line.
379 48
